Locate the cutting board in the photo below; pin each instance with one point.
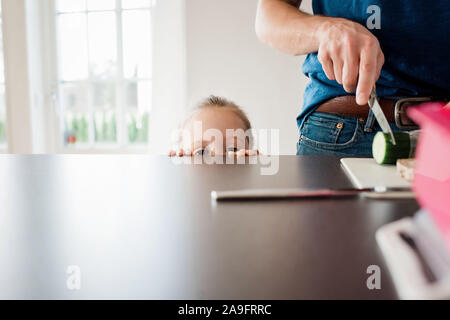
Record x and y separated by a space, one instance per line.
366 173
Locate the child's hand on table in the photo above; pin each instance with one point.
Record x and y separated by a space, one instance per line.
244 153
189 153
180 153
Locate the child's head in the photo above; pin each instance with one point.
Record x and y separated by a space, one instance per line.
216 117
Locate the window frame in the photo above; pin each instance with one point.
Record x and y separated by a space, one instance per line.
121 147
17 77
31 80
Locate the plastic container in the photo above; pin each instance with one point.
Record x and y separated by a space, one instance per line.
432 172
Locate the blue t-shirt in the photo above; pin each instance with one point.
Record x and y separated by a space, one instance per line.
414 36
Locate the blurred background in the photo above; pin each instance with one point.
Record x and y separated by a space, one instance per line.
117 76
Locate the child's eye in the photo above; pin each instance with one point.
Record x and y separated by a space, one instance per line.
232 149
200 152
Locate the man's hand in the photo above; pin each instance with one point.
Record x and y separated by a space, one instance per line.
351 55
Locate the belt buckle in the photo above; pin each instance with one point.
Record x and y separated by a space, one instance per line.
400 110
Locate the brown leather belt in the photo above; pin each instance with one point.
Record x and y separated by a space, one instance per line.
395 110
347 106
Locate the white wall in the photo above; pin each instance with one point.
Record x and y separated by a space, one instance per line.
224 57
169 81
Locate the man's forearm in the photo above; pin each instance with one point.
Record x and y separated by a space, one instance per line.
284 27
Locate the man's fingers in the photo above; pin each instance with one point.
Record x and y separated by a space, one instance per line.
350 75
338 65
367 76
327 66
380 63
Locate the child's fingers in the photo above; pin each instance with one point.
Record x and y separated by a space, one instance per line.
180 153
241 153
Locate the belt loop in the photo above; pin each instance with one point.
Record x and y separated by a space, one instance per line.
370 123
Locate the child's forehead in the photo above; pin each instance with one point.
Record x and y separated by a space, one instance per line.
214 115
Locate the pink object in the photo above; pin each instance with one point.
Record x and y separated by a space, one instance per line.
432 173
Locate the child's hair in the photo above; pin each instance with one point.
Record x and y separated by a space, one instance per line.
220 102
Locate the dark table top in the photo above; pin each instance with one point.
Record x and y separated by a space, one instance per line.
141 227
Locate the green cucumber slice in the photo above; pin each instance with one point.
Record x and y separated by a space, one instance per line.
384 152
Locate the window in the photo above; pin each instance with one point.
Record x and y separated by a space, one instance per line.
3 142
104 71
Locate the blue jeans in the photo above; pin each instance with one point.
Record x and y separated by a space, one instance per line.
330 134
